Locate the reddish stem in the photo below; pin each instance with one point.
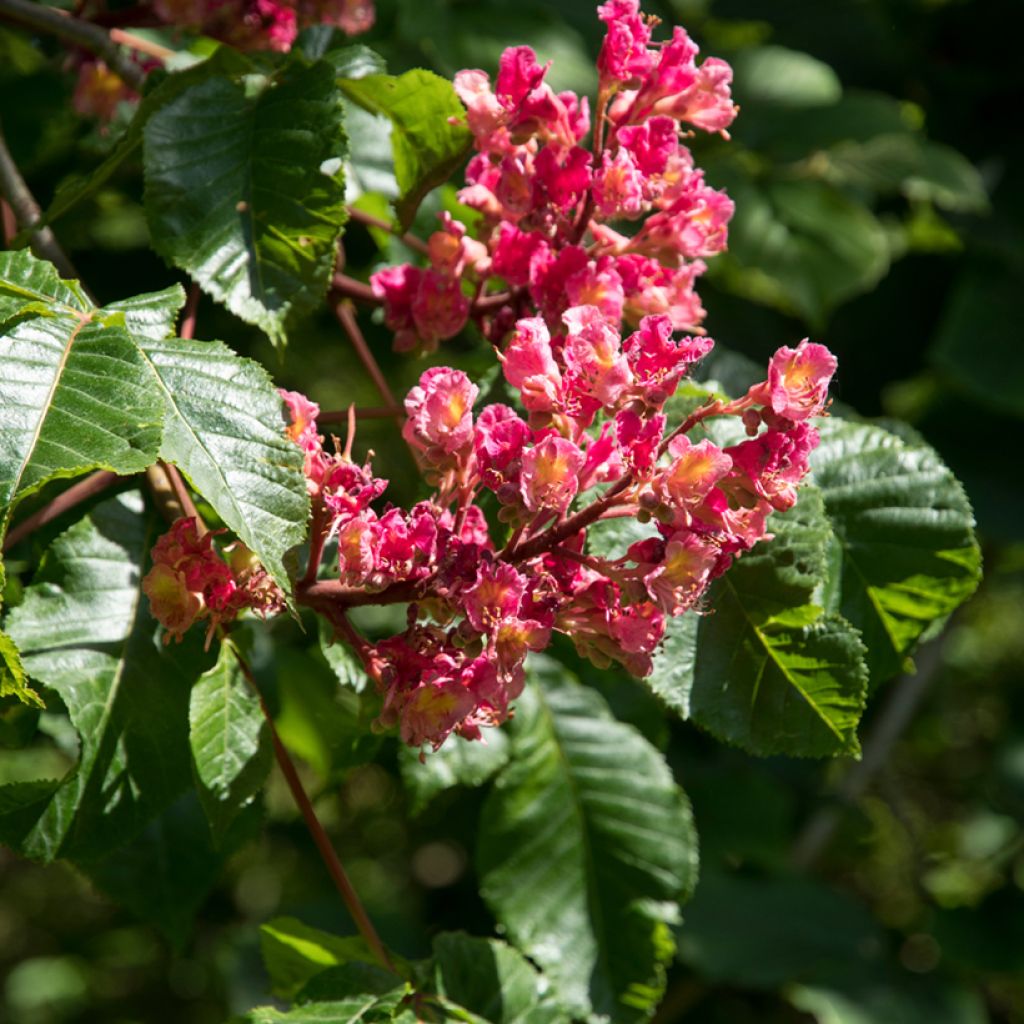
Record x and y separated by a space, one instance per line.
188 320
349 287
10 225
93 484
323 844
367 219
343 311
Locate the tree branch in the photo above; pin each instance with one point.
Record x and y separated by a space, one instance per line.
54 22
323 844
93 484
26 209
368 220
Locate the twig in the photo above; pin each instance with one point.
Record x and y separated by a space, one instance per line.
367 219
10 225
146 46
188 320
349 287
343 311
323 844
903 701
54 22
26 209
74 495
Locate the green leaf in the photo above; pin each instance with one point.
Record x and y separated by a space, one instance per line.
229 739
356 61
161 88
368 1007
165 873
801 246
84 630
906 164
293 953
458 763
244 191
767 932
343 660
984 304
889 996
427 148
586 844
117 393
75 393
775 74
491 980
13 681
904 553
765 668
152 315
225 431
327 725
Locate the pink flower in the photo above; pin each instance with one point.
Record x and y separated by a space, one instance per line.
515 251
518 75
597 284
776 461
619 186
499 441
550 473
494 597
707 103
651 144
658 363
593 355
560 179
624 55
695 469
440 413
798 380
678 582
649 288
529 365
439 309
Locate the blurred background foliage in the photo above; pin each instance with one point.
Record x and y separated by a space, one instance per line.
876 167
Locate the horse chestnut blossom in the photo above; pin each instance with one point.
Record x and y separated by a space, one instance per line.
624 226
264 24
597 445
190 581
594 331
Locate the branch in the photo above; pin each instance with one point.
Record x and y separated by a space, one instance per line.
343 311
368 220
26 209
54 22
904 699
74 495
323 844
188 320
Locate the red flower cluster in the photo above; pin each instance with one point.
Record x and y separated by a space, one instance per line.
265 24
477 607
547 203
191 582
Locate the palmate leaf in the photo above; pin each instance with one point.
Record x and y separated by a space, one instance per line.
85 631
244 190
903 554
75 393
586 845
108 388
427 146
229 740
